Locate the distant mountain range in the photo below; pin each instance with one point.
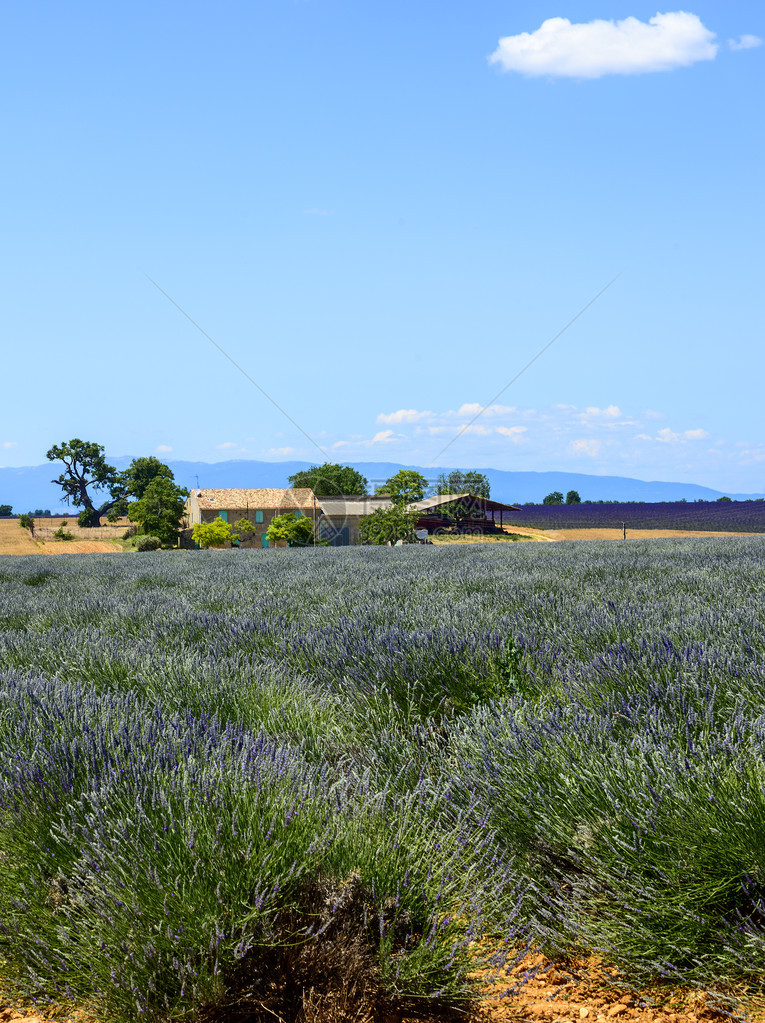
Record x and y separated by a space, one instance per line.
30 487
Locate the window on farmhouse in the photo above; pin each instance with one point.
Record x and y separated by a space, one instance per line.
258 516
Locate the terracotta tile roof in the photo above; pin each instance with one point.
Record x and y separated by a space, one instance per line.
212 498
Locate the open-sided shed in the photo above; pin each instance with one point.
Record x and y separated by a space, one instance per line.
468 512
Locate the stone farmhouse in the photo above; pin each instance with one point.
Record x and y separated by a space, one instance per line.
335 519
258 506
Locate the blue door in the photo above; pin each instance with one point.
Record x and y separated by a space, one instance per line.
264 540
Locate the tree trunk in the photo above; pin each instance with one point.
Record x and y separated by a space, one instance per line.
93 519
105 508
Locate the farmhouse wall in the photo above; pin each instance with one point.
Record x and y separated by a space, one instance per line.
258 506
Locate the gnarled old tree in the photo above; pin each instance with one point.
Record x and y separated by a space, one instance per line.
87 468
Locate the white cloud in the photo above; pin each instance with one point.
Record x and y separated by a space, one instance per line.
752 455
10 444
384 437
612 412
515 433
163 449
359 443
404 415
468 410
666 436
745 42
280 451
226 445
591 448
596 48
472 408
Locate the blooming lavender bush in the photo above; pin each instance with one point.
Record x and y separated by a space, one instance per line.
203 753
162 864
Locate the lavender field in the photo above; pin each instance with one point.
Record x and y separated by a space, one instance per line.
230 776
714 516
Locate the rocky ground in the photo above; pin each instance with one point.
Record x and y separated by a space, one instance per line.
578 990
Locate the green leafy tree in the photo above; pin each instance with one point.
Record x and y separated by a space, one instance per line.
723 500
160 509
572 497
214 534
27 522
556 497
5 510
143 471
330 480
404 487
298 532
244 527
387 525
458 482
86 470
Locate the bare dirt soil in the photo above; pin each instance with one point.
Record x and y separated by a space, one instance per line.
633 534
577 990
15 540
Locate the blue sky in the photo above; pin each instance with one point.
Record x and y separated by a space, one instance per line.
382 213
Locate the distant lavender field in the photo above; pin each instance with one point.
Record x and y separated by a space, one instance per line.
221 769
724 517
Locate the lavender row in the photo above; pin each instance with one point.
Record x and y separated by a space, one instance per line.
713 516
155 864
563 742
